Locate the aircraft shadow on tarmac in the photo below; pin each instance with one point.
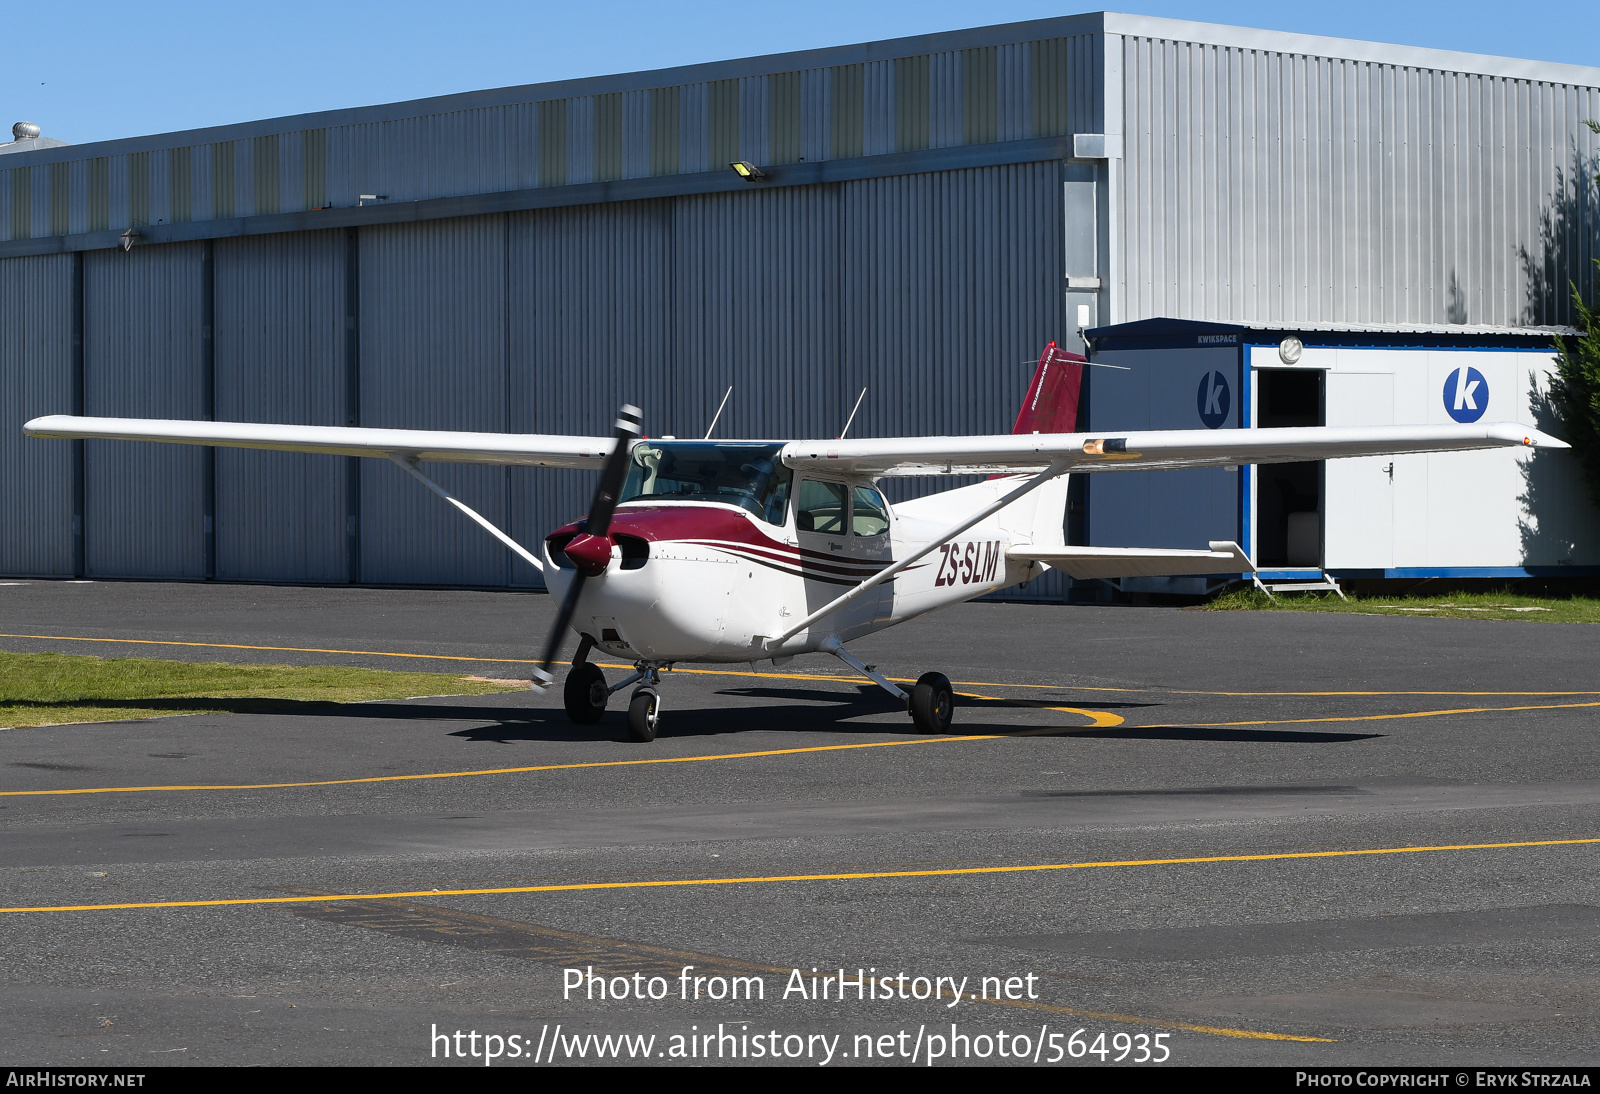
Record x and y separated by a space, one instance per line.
515 724
838 712
866 693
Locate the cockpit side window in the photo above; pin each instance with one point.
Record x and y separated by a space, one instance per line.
869 516
820 507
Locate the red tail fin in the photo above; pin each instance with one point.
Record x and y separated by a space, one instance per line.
1052 402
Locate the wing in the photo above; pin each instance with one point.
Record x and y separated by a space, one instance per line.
1153 450
522 449
1088 562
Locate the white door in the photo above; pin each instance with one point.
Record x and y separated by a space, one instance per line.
1359 493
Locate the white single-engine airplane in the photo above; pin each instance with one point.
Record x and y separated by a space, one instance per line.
742 551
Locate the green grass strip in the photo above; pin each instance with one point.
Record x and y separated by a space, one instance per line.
38 689
1487 605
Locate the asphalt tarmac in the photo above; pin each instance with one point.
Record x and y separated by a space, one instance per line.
1289 839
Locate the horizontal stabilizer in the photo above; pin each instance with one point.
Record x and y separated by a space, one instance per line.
1091 562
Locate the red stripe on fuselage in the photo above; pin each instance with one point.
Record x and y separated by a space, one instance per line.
730 529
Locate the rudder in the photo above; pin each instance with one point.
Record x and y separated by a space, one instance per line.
1051 405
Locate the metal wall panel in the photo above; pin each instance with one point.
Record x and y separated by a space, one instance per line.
280 357
145 357
433 356
1261 185
36 366
13 183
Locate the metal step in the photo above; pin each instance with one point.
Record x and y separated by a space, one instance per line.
1326 585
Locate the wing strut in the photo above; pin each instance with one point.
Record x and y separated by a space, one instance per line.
408 464
1055 468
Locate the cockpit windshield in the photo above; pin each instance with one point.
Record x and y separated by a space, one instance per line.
746 474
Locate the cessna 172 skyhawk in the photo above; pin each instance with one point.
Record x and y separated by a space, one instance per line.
741 551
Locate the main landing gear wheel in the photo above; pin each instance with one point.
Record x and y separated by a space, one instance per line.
585 694
933 703
644 711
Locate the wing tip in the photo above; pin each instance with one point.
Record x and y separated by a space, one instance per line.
42 425
1534 438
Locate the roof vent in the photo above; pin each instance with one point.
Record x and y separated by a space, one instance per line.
24 131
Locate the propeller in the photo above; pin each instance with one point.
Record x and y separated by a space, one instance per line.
590 550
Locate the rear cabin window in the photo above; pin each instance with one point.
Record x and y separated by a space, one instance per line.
868 515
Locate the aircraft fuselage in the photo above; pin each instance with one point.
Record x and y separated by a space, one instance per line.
713 582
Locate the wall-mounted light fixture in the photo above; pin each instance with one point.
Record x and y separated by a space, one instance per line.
747 171
128 237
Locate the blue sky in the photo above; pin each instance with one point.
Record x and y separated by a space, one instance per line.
93 70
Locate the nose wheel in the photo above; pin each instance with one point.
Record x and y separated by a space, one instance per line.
644 711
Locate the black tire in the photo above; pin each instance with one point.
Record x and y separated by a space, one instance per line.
584 694
644 711
933 703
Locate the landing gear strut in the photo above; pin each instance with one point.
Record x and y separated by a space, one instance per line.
931 703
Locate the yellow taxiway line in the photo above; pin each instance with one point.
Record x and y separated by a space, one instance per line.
497 770
678 883
1353 717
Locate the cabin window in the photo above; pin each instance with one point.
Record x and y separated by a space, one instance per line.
821 507
869 516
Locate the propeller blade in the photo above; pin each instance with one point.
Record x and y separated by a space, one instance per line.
616 470
541 672
599 523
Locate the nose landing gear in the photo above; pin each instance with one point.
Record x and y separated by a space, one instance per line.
586 694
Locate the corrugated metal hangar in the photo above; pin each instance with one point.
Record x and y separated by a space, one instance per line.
932 211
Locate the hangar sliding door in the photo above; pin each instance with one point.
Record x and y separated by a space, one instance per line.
144 356
590 327
36 377
951 286
757 293
433 356
280 357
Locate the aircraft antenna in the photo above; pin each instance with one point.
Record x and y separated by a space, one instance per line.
718 414
852 417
